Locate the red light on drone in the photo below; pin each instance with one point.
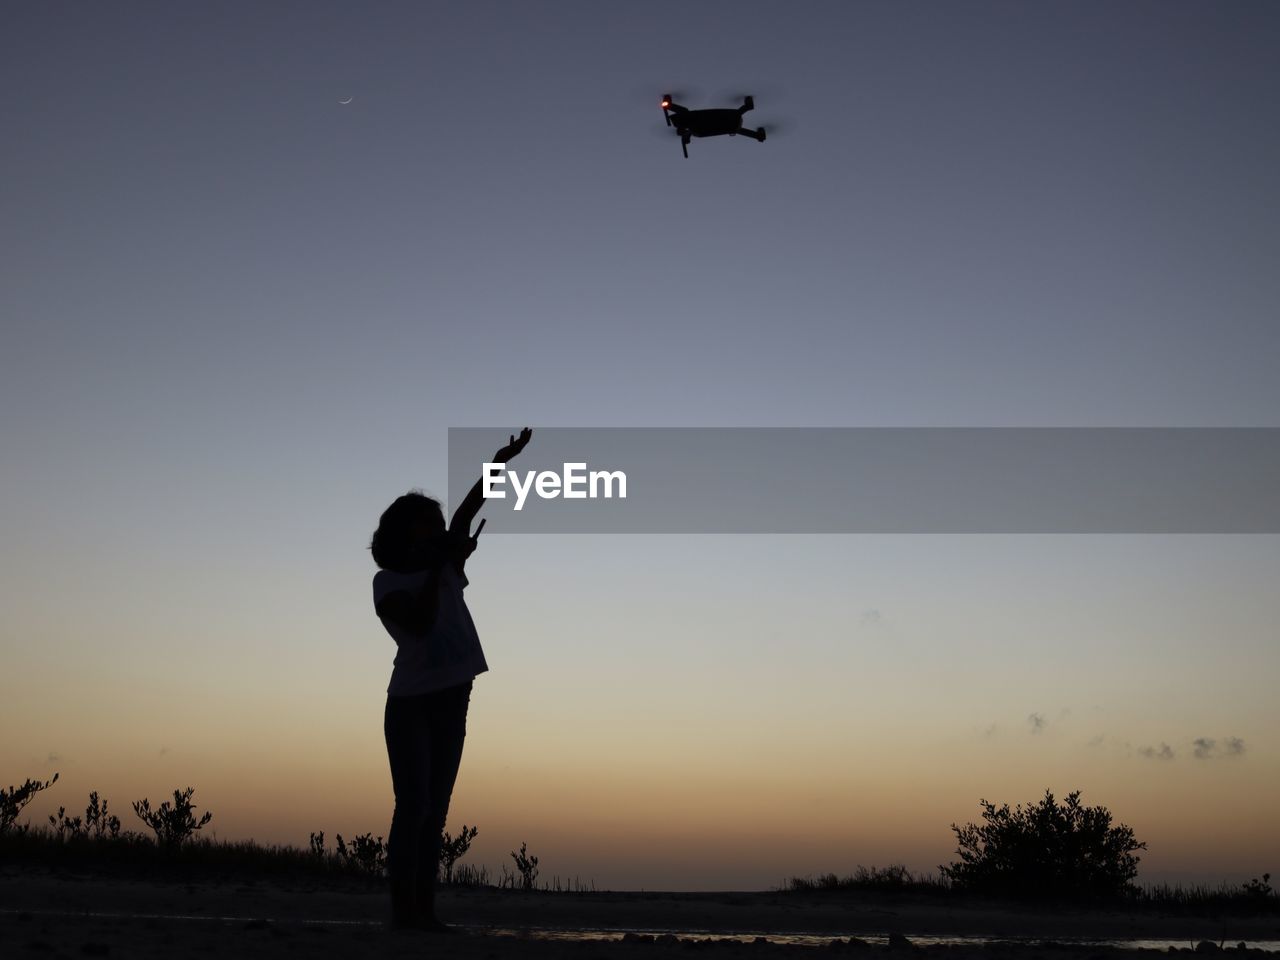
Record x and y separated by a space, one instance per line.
665 103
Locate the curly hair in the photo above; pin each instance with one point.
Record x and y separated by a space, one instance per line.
392 543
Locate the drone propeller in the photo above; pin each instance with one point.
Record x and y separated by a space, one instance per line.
655 94
761 91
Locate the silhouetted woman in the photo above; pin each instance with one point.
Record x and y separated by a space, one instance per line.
418 597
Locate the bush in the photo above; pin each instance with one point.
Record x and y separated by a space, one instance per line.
64 827
366 855
1045 850
98 822
526 867
174 823
14 799
453 849
1257 889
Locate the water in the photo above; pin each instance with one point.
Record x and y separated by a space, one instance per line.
823 939
743 936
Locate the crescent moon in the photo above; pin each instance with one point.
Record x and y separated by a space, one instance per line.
346 101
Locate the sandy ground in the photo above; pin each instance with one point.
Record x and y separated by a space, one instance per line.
66 916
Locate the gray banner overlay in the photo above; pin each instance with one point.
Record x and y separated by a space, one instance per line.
887 479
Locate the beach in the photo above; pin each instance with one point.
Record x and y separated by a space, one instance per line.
83 915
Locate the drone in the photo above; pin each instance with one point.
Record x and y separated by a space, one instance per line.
708 123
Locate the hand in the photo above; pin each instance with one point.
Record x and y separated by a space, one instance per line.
515 446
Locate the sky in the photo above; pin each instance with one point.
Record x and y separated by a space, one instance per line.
239 317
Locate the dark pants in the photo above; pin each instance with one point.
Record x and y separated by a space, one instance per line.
424 744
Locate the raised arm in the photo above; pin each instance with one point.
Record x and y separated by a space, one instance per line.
465 515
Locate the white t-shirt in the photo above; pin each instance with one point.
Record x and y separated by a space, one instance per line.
450 653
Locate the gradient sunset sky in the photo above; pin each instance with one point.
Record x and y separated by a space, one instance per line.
239 317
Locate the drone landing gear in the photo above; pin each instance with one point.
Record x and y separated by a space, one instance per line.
684 143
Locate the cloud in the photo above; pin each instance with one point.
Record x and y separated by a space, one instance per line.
1206 748
1038 722
1163 752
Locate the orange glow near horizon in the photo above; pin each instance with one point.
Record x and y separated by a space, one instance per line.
689 832
714 812
701 742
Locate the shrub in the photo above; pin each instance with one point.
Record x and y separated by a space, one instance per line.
64 827
174 823
1045 850
14 799
365 854
1259 889
453 849
98 822
526 867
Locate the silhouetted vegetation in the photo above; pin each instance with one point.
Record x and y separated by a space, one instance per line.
96 840
14 799
97 822
467 875
893 878
1249 899
174 823
138 855
526 868
453 849
1051 851
1048 837
1259 889
365 855
1252 898
1045 851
